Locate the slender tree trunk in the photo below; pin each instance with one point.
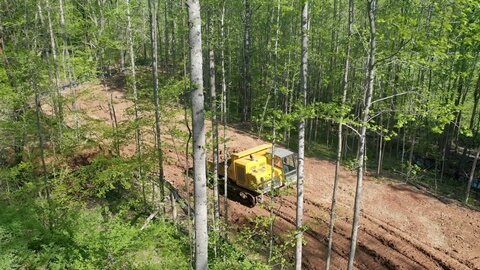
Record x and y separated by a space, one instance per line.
187 186
113 118
410 156
66 55
471 176
156 97
287 103
476 100
173 27
246 64
1 38
301 139
53 94
42 153
363 128
198 126
138 134
476 97
340 137
274 137
167 45
224 120
333 57
68 72
213 95
58 98
33 82
381 149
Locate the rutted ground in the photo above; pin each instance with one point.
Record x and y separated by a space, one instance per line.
401 227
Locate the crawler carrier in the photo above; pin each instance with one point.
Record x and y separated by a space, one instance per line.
250 173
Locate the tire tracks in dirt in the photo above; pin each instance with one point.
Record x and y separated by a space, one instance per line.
314 238
412 247
380 245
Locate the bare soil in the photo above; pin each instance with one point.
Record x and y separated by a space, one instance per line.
401 226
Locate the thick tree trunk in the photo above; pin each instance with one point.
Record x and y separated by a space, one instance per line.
198 126
301 139
363 128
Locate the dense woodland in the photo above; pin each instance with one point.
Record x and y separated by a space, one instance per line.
397 83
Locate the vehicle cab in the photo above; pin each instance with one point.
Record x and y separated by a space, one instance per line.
286 161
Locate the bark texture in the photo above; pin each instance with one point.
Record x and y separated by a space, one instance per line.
198 126
301 139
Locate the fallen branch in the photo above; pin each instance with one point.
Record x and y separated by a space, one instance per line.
152 215
183 204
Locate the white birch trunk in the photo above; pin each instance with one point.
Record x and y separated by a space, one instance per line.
301 139
213 95
198 126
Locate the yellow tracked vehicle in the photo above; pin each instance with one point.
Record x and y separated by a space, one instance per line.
250 172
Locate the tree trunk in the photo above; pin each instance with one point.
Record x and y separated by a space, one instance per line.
471 176
198 126
224 121
274 139
156 97
246 64
410 155
68 74
381 147
301 139
167 45
53 47
340 137
363 128
1 38
138 134
42 151
213 95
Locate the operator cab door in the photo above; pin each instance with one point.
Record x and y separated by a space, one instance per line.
286 161
290 169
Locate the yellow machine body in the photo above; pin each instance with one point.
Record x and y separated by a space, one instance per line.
252 169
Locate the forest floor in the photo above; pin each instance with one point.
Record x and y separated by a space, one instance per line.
401 226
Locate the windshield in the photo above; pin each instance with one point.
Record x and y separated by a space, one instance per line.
289 164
